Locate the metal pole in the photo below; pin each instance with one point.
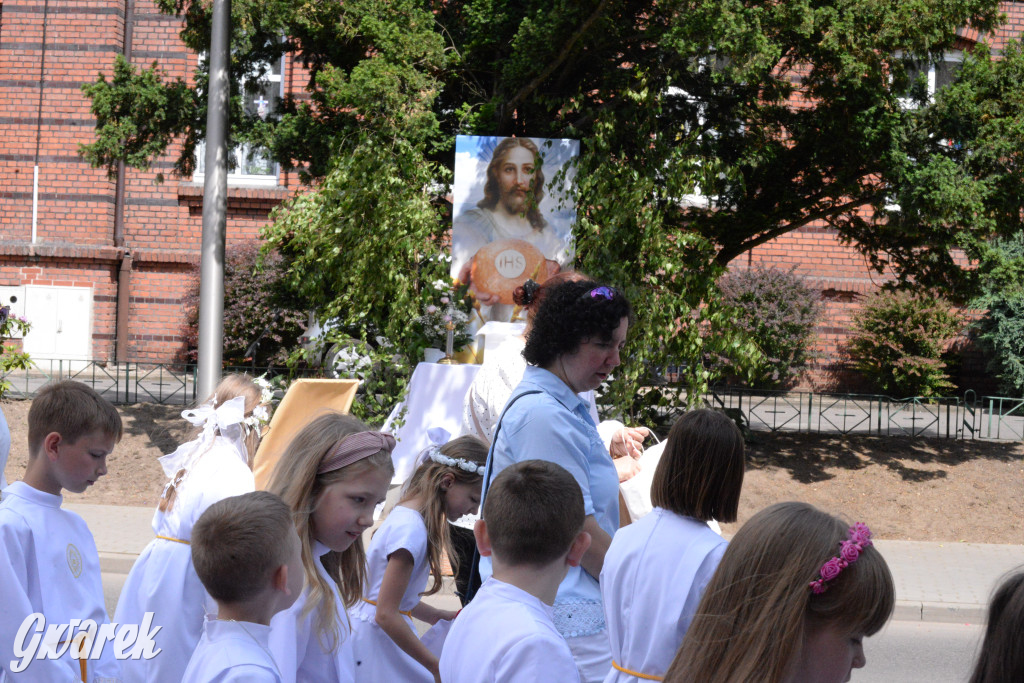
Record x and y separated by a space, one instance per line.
215 203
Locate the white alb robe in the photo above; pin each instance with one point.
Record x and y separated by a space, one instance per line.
654 574
298 650
232 652
49 565
506 634
377 657
163 580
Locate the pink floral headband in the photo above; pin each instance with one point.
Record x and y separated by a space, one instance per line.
849 551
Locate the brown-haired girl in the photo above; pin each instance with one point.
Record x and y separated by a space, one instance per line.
656 569
404 552
333 475
792 600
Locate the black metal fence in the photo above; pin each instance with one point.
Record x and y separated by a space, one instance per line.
168 384
954 417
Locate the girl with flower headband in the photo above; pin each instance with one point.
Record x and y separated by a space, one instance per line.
405 550
333 475
214 465
792 600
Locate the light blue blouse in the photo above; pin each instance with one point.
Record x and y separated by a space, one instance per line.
555 425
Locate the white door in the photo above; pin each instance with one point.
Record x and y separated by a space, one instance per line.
61 320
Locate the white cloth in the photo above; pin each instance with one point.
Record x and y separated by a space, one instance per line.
378 658
5 448
506 634
654 575
163 580
232 652
434 399
49 565
297 649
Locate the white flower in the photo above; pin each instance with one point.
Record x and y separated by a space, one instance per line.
440 285
445 299
266 389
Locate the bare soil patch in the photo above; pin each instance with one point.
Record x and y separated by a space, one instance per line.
904 488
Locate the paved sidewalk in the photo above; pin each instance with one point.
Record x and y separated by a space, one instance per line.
935 582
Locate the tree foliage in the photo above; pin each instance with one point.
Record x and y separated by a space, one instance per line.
709 127
898 342
1000 330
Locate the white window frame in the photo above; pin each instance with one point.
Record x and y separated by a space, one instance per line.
948 57
235 175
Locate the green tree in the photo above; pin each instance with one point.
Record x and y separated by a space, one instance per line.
709 127
1000 329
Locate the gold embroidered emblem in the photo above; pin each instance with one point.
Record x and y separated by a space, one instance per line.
74 560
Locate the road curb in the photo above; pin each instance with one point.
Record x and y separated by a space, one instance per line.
117 563
939 612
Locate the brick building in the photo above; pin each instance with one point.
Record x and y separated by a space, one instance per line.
100 266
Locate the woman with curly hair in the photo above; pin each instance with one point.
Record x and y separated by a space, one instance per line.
574 344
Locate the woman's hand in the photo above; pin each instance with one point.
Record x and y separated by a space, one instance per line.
628 441
627 468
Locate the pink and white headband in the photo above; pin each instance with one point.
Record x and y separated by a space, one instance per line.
354 448
849 550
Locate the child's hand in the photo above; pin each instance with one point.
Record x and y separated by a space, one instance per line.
448 614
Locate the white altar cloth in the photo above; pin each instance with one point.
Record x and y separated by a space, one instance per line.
435 398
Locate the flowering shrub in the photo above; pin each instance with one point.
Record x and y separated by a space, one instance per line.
253 302
898 341
779 314
10 357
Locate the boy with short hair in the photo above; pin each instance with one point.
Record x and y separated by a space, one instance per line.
532 528
248 556
48 559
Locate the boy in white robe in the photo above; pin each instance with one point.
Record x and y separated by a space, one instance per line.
247 554
532 528
48 560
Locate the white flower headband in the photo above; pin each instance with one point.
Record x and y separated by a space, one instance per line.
438 436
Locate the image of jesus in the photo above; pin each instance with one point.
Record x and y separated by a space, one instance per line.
513 189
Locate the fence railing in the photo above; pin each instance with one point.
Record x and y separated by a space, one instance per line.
168 384
954 417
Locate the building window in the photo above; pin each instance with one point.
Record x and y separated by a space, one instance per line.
252 165
937 73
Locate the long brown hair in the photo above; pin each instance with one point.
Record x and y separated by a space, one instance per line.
1002 652
295 479
427 486
750 624
232 386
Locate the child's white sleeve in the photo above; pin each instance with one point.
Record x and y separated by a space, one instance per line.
15 608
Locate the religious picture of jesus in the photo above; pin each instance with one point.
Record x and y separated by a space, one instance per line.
512 221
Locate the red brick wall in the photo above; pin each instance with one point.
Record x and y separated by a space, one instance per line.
163 222
75 222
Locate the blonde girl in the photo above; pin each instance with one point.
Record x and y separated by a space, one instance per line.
404 552
214 465
333 475
792 600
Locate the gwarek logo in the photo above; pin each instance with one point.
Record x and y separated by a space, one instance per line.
82 639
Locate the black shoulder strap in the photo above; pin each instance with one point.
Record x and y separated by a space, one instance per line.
474 576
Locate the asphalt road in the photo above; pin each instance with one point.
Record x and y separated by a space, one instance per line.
920 652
